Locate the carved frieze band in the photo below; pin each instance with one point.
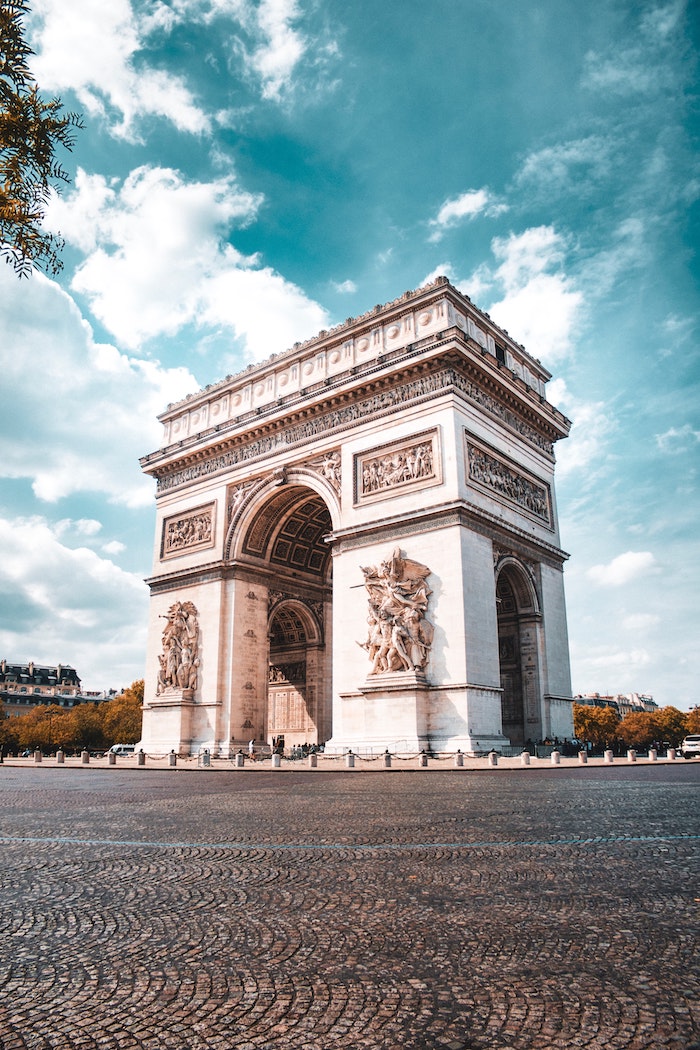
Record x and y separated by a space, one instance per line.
372 407
386 471
187 532
496 474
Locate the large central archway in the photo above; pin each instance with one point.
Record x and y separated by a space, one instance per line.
285 536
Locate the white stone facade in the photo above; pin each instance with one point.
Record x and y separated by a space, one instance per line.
418 435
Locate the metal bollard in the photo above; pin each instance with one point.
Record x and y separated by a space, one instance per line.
631 755
60 757
608 757
555 758
239 760
582 758
671 753
525 758
37 756
387 760
350 760
112 759
276 761
141 758
459 759
653 754
172 759
85 758
313 760
493 758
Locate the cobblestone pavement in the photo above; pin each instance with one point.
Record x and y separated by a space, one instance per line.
188 909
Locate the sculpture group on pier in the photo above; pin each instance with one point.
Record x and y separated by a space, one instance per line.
399 635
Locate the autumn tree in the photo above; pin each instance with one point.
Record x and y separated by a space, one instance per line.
31 131
121 717
692 721
673 725
597 726
44 728
639 729
86 731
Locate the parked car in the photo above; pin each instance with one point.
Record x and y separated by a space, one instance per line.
690 748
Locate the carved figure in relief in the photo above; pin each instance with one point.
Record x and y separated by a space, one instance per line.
398 467
399 637
187 532
179 660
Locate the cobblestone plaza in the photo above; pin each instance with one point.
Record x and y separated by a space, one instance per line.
190 909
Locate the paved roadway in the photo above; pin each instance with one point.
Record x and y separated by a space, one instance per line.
182 909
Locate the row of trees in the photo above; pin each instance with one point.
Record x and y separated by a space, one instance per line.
602 727
89 727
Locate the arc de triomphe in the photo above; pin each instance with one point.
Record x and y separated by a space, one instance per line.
357 544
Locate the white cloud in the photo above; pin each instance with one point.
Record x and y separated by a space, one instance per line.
69 605
624 569
557 166
77 414
344 287
640 623
592 427
92 49
467 206
643 64
678 440
157 261
540 306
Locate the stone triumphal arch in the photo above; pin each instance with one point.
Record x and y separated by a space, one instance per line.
357 545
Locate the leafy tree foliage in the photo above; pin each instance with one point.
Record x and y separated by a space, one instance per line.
639 729
673 725
89 727
31 130
122 716
692 721
597 726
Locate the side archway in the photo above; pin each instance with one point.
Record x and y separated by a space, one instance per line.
519 628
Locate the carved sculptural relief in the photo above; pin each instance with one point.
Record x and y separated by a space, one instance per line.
399 636
179 660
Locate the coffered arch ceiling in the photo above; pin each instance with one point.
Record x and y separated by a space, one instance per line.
289 531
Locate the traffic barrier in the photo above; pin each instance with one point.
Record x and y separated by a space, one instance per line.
313 760
350 760
239 760
608 757
459 760
493 758
631 755
555 758
653 754
582 758
525 758
276 761
85 758
60 757
37 757
387 760
172 759
112 759
671 753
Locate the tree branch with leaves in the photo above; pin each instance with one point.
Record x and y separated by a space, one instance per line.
31 132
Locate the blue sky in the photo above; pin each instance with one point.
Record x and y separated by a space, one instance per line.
252 172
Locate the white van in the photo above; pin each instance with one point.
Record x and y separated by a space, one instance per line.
121 749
